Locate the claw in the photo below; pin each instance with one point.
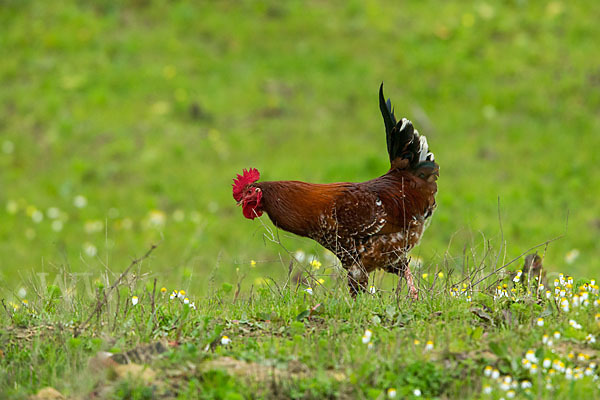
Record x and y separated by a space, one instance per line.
414 292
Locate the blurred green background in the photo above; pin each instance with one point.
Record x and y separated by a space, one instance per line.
122 125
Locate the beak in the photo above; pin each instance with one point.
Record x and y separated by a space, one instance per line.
239 203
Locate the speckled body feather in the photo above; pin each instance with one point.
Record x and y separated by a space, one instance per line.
367 225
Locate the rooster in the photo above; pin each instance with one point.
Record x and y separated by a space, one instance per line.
367 225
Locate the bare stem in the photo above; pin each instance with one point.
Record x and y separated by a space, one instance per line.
102 301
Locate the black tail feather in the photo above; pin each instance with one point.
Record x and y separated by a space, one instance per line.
388 118
403 141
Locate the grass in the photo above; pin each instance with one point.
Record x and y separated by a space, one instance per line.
131 338
123 124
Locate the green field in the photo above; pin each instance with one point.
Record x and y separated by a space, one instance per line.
122 125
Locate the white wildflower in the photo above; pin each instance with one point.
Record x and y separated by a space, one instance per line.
571 256
157 218
574 324
89 249
534 368
530 355
12 207
80 201
225 340
590 338
556 335
517 277
526 384
569 373
57 225
37 216
53 212
300 256
564 305
545 339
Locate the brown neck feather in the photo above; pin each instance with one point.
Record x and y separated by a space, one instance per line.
296 206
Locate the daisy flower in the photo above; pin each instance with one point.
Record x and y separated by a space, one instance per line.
574 324
534 368
225 340
556 335
590 338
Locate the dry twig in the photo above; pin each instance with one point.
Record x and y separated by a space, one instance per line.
101 302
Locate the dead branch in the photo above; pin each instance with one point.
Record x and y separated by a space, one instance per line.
101 302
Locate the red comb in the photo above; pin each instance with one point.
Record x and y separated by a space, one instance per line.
239 183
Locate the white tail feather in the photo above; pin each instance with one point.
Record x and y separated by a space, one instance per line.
424 154
404 123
